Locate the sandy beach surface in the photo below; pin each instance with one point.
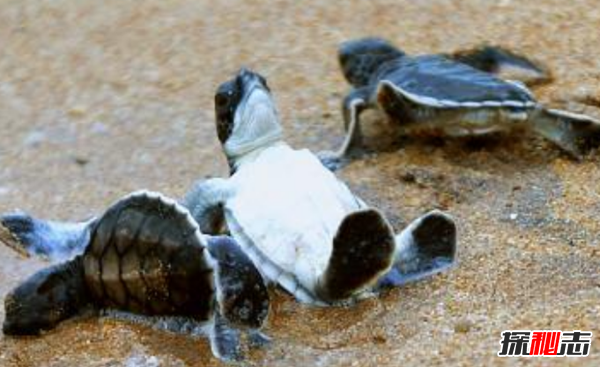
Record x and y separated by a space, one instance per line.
98 99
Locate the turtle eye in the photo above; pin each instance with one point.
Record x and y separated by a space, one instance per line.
222 99
239 83
344 59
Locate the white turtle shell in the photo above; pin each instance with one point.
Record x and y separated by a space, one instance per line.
285 210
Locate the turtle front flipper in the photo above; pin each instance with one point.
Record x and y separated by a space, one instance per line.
225 340
426 247
55 240
355 103
503 63
204 201
576 134
363 250
242 298
45 299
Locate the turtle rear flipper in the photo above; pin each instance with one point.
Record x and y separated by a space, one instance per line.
576 134
55 240
426 247
46 298
363 249
242 299
504 63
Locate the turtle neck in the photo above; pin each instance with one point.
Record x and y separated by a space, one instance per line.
236 162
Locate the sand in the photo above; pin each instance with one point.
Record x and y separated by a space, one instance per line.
101 98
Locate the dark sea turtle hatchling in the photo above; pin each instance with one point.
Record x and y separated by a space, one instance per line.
301 226
146 255
451 95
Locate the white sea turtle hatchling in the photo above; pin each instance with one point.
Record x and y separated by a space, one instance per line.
147 256
451 95
301 226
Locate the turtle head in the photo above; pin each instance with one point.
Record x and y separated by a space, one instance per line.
242 296
360 58
45 299
246 115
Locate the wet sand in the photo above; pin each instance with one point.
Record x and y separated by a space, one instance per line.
101 98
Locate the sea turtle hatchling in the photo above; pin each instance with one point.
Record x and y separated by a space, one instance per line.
451 95
146 255
302 227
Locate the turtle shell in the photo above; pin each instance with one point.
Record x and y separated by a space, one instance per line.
285 219
436 81
146 255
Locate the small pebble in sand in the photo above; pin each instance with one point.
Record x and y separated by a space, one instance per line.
99 128
379 338
81 161
34 138
77 112
463 326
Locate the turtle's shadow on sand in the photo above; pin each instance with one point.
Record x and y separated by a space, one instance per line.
520 149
